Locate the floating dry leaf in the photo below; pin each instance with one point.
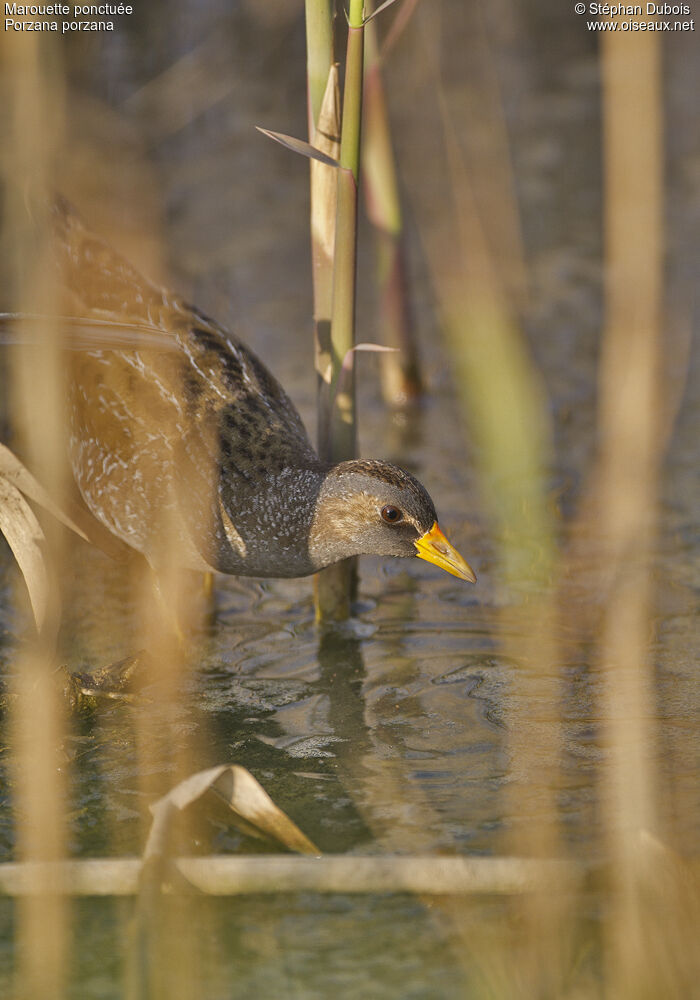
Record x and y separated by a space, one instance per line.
253 808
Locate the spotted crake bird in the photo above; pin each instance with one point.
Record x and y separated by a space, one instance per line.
190 448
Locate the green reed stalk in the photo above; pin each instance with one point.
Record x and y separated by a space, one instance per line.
344 276
330 587
335 585
319 56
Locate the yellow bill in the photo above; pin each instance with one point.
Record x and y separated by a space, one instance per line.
434 548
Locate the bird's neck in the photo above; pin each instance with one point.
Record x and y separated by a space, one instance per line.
268 528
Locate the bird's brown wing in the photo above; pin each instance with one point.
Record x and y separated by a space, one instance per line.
138 414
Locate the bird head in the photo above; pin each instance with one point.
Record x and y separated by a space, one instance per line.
374 508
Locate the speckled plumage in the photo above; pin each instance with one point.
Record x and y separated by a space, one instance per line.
194 452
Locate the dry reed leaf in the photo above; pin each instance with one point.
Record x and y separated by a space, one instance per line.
380 8
254 810
23 532
327 132
324 181
324 206
344 375
299 146
18 476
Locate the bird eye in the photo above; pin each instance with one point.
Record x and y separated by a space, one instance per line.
391 514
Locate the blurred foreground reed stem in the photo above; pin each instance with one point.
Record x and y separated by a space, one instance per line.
234 876
505 408
32 91
631 435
